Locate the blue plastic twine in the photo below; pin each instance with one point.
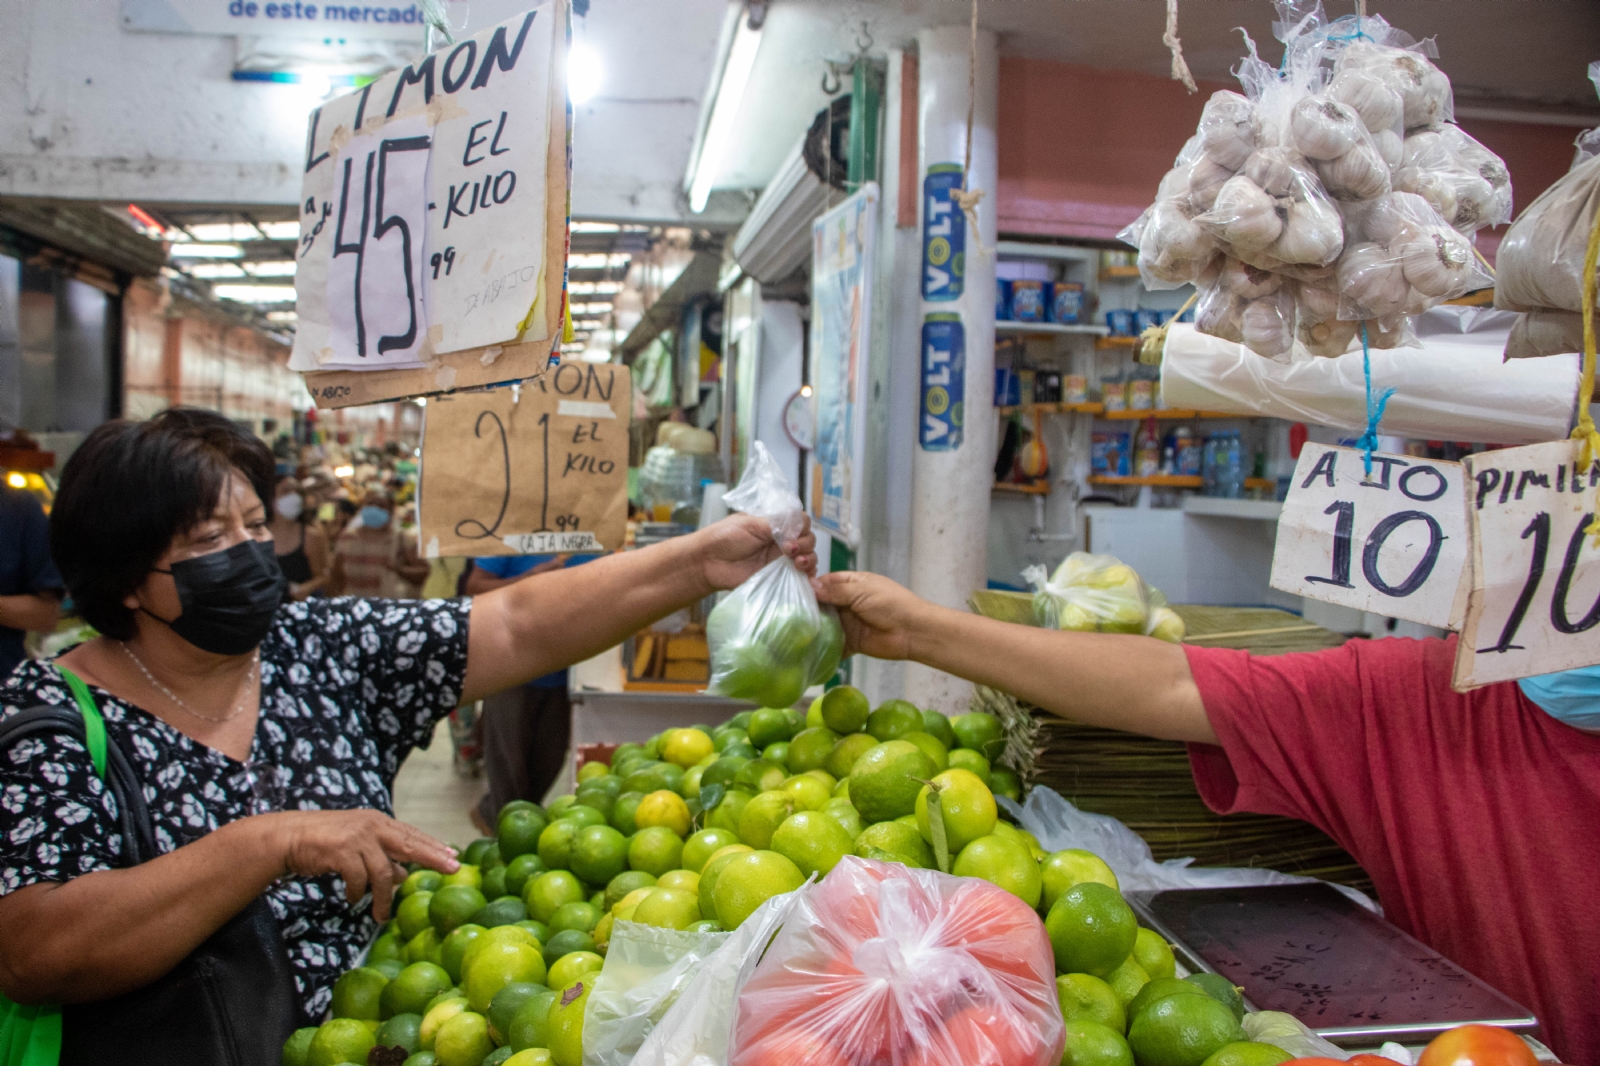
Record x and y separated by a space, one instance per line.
1368 442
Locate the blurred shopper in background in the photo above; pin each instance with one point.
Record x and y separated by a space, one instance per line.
372 558
300 543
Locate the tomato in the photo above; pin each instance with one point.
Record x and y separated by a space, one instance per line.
790 1048
978 1037
1477 1045
1318 1061
1370 1060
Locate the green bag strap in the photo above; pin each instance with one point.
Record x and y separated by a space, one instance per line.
94 726
29 1035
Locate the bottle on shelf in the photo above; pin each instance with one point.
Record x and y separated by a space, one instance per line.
1208 464
1147 451
1230 480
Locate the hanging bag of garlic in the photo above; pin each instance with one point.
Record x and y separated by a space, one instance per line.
1334 191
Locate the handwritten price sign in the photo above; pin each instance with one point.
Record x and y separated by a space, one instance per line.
524 471
433 216
1394 544
1534 604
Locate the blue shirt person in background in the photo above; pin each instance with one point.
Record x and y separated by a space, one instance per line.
30 588
525 730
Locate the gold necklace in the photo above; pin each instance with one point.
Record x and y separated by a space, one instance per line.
255 665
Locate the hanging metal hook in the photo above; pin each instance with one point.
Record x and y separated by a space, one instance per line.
864 46
833 72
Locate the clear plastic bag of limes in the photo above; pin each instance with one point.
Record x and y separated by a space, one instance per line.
1100 593
769 638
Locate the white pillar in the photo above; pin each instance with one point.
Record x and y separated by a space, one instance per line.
951 485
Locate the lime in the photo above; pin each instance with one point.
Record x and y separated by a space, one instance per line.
565 943
463 1040
474 851
981 732
685 747
885 780
410 992
496 965
812 841
706 925
1220 989
655 850
1073 866
712 870
424 947
591 770
809 793
842 759
749 881
769 725
845 813
534 1056
555 843
1005 783
723 771
390 968
700 847
687 880
967 807
494 883
1083 995
895 842
691 782
625 751
582 814
762 816
1247 1053
841 789
609 783
845 710
520 869
655 777
939 726
455 947
520 805
505 1004
357 992
1092 1043
580 916
1154 954
452 905
599 853
412 914
1159 989
629 903
665 808
402 1031
778 753
894 719
507 910
545 893
600 799
760 775
931 746
466 874
972 761
538 930
1092 929
809 749
298 1046
729 734
726 815
813 716
1005 863
573 965
420 881
623 811
528 1024
386 948
559 806
564 1027
340 1040
626 882
1127 981
668 908
436 1015
1182 1031
602 933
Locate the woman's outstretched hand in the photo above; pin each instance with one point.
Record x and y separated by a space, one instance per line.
736 547
364 847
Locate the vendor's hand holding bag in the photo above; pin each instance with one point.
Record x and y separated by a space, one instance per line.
231 1002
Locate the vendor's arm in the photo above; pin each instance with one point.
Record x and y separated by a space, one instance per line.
112 931
531 628
1135 684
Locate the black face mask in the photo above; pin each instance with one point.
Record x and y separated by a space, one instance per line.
228 597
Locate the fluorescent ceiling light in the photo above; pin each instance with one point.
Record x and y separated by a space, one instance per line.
724 110
283 316
207 251
272 268
237 231
583 288
584 73
211 271
256 294
593 260
596 227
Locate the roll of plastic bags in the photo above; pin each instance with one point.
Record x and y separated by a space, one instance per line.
769 638
1455 387
646 970
1540 262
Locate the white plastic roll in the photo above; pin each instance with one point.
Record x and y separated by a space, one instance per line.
1455 387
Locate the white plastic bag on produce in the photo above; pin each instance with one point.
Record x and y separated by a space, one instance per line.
646 970
1540 263
1090 593
697 1029
769 638
1285 1032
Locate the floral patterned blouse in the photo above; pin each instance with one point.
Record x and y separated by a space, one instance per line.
348 688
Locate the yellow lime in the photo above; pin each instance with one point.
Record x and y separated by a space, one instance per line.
1087 996
1003 862
545 893
564 1027
690 788
813 841
534 1056
1074 866
700 847
687 880
845 813
967 805
931 746
623 883
436 1016
573 965
749 881
668 908
357 993
602 932
655 850
1092 929
1154 954
466 874
1182 1031
762 816
420 881
463 1040
814 713
338 1041
845 710
1092 1043
591 770
497 965
664 808
1247 1053
686 747
895 842
629 903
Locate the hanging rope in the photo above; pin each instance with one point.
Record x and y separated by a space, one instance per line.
1368 441
967 196
1180 69
437 20
1585 430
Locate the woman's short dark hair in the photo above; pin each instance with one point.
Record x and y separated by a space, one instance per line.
130 488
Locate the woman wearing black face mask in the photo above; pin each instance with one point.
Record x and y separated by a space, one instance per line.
262 735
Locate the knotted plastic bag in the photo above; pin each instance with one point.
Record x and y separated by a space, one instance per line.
769 638
1096 593
882 965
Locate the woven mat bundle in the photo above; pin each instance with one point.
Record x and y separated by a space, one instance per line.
1146 783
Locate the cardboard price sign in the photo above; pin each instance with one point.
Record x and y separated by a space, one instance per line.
1534 604
522 471
433 220
1395 545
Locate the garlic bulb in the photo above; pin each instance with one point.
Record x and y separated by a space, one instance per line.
1246 216
1312 233
1206 179
1217 314
1430 100
1379 106
1317 303
1172 248
1247 282
1228 128
1434 186
1426 149
1423 88
1359 174
1175 183
1371 282
1328 338
1265 327
1474 201
1437 263
1389 219
1271 170
1323 128
1389 331
1390 146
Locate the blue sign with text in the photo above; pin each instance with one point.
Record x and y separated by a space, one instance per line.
944 365
944 234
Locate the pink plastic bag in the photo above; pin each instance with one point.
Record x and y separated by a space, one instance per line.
881 965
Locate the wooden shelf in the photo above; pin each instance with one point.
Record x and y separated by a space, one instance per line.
1162 481
1040 488
1116 342
1119 272
1031 250
1006 325
1266 484
1165 414
1054 408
